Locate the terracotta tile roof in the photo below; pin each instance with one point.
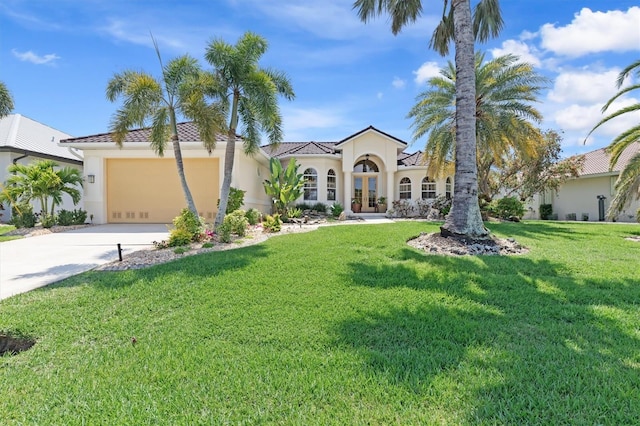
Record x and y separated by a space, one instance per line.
300 148
187 132
21 133
415 159
597 162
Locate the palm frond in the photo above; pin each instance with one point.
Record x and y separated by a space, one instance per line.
627 187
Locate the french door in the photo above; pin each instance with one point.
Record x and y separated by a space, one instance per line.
365 188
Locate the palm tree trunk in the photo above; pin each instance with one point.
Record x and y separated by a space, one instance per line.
465 220
229 155
177 152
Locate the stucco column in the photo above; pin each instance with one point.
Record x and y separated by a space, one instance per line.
348 182
391 190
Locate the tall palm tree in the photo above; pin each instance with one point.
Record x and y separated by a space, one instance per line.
6 100
182 90
504 115
42 181
459 26
252 93
628 184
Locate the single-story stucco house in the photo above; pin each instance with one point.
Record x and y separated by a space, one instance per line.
133 185
581 196
23 141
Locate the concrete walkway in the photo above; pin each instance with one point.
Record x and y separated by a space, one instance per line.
34 262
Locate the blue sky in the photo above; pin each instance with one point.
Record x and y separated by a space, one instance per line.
56 57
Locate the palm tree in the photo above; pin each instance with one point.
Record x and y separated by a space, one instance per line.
457 25
42 181
252 93
6 100
504 90
628 182
182 90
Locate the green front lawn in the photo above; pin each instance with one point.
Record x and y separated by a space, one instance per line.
7 228
344 325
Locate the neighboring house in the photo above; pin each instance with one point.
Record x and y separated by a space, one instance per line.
133 185
579 196
23 141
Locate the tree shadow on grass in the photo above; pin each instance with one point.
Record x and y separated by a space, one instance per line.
200 266
563 350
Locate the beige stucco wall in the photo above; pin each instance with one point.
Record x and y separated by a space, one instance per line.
6 159
321 165
579 196
245 174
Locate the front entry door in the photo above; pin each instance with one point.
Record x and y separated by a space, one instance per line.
366 189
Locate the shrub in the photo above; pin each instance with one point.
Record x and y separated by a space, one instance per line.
570 216
442 204
320 207
545 211
22 216
179 237
47 220
160 244
336 209
207 245
235 201
65 217
79 216
272 223
585 217
237 222
190 223
293 212
424 206
507 207
304 206
253 216
403 208
180 250
224 232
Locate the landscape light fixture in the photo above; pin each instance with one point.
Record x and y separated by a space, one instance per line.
91 178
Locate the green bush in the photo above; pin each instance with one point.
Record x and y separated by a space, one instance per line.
224 232
294 212
190 223
506 208
545 211
47 220
22 216
272 223
320 207
336 209
79 216
253 216
179 237
442 204
65 217
235 201
180 250
237 222
304 206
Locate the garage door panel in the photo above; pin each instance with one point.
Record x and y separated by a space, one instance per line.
149 190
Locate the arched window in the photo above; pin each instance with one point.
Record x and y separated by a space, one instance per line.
310 184
331 185
405 188
365 166
447 188
428 188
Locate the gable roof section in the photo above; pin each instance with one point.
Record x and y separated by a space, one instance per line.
597 162
286 149
372 129
22 134
187 132
415 159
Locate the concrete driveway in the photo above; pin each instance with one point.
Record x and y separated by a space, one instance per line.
34 262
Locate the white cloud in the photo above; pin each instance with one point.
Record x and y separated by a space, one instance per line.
518 48
398 83
584 86
379 95
298 121
591 32
426 71
34 58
